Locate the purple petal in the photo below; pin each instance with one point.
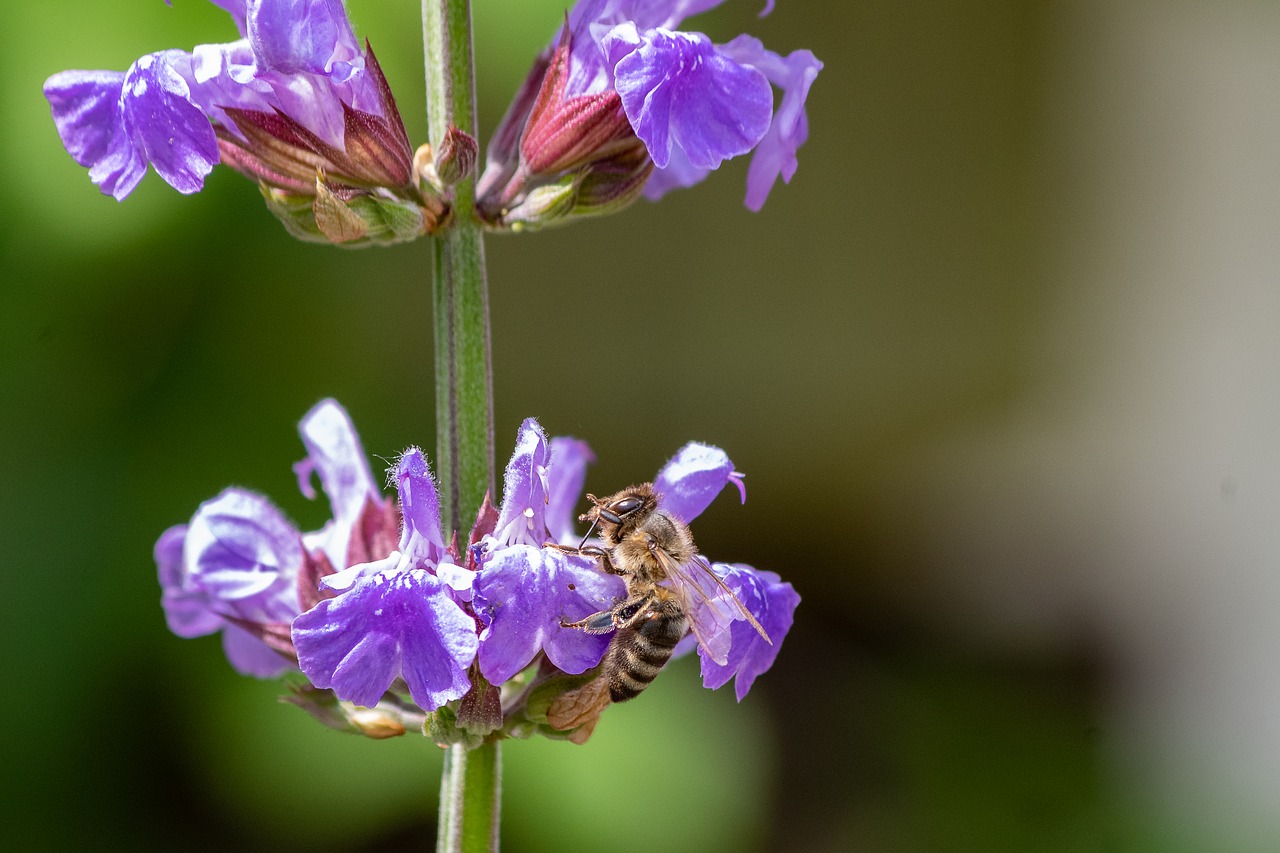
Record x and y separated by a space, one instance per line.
523 594
566 476
241 550
773 604
172 133
522 519
186 606
776 153
86 111
692 479
334 452
678 90
301 36
223 75
420 507
250 656
385 626
679 174
646 14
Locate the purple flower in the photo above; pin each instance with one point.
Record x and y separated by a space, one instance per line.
299 58
693 103
235 566
524 591
402 616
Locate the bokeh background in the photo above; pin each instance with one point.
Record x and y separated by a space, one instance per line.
1001 365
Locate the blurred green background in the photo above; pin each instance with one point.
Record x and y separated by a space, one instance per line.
999 365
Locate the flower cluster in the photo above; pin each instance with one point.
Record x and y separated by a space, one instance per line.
621 103
381 610
624 102
295 104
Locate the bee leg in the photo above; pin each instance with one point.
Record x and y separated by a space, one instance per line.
578 550
596 623
610 620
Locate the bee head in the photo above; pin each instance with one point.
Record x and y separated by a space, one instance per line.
621 511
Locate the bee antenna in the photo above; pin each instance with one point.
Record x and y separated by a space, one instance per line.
590 530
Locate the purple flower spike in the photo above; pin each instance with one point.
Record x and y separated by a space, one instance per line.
566 476
522 519
773 604
692 479
523 595
390 624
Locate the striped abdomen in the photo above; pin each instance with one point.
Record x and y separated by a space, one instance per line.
637 655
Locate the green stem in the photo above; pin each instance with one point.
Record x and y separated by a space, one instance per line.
471 789
464 388
470 797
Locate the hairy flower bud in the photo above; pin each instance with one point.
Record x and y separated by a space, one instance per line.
457 156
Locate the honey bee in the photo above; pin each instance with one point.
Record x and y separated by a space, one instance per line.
671 590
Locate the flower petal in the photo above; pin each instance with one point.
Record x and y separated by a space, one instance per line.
388 625
776 153
420 506
172 133
186 606
678 175
522 519
250 656
523 594
773 604
86 111
693 477
679 90
242 551
300 36
334 452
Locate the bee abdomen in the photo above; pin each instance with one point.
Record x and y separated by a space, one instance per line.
637 655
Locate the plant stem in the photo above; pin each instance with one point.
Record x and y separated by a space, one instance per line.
464 387
470 796
471 788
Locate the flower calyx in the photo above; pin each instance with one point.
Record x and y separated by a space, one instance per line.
362 193
556 155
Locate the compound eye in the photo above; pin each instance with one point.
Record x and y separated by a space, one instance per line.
626 506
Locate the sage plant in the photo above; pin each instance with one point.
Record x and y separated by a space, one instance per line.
436 610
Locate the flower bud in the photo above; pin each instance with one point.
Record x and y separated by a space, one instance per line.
457 156
565 146
541 206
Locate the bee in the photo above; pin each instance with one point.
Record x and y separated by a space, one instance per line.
671 590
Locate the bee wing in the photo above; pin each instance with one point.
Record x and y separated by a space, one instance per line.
712 607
